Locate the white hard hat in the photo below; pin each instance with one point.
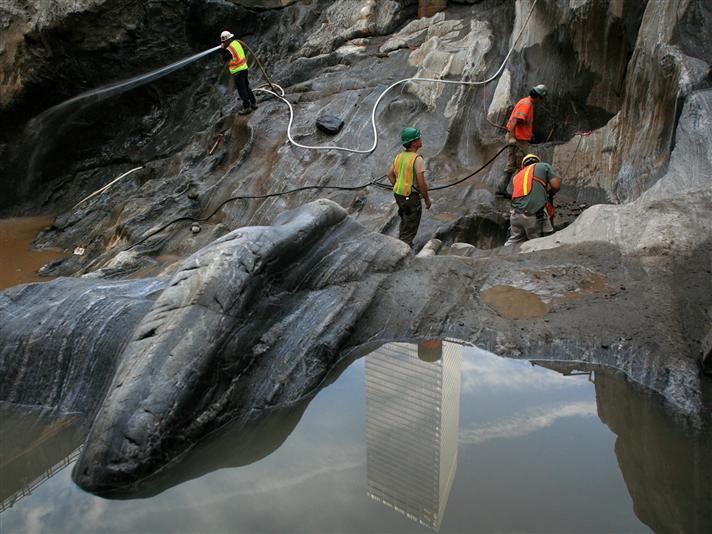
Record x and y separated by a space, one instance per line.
226 36
540 90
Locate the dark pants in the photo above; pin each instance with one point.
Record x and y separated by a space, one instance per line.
409 210
516 151
243 88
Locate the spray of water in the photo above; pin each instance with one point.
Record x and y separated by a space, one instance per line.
56 118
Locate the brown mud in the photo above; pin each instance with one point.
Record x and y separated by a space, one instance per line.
18 259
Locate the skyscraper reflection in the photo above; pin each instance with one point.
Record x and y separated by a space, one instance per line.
412 420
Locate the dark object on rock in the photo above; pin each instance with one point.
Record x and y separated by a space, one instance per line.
330 124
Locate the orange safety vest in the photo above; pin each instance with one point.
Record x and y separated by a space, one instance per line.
238 61
522 183
404 169
524 111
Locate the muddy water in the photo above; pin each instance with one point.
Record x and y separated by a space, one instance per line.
416 439
513 302
18 261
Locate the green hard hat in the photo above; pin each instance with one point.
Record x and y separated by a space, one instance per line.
409 134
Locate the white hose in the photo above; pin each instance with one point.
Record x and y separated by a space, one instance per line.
375 107
107 186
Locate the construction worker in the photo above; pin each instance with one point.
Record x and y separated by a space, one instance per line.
236 61
407 171
520 133
534 187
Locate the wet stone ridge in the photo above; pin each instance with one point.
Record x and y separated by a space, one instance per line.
252 321
257 320
61 341
269 300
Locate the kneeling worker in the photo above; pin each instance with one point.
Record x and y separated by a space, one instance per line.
533 188
234 56
407 171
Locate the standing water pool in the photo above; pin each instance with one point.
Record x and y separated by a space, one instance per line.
423 437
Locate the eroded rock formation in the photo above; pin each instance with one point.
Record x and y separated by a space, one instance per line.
266 303
256 320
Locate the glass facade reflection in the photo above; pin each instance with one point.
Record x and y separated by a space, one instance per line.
412 420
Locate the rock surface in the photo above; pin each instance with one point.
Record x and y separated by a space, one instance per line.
257 320
61 341
626 125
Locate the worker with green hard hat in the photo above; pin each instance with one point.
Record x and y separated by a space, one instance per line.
407 175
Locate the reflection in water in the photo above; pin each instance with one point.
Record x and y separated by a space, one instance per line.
532 457
412 419
33 448
666 466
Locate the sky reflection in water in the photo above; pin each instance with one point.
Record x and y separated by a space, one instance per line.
527 451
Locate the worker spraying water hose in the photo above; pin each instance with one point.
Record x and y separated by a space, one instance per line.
57 117
236 62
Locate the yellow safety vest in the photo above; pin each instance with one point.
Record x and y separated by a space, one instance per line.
404 169
238 61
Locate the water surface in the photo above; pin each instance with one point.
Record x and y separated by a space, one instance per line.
18 260
416 439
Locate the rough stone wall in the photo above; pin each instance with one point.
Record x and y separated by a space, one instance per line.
632 152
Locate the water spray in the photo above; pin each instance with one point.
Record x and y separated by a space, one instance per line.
66 110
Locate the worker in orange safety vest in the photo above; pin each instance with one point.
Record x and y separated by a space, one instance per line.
407 176
520 133
534 187
234 56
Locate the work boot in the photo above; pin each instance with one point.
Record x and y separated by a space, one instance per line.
254 105
245 110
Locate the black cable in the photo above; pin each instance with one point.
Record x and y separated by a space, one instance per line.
249 197
308 187
486 164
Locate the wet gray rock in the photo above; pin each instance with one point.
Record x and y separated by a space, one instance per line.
61 341
256 321
635 77
253 321
461 249
344 20
330 124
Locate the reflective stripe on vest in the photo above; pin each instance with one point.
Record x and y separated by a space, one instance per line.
404 168
522 184
238 61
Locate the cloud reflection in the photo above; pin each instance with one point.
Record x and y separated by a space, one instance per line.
523 424
483 370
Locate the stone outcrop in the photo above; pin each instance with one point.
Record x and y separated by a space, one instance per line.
257 320
253 321
268 301
61 341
